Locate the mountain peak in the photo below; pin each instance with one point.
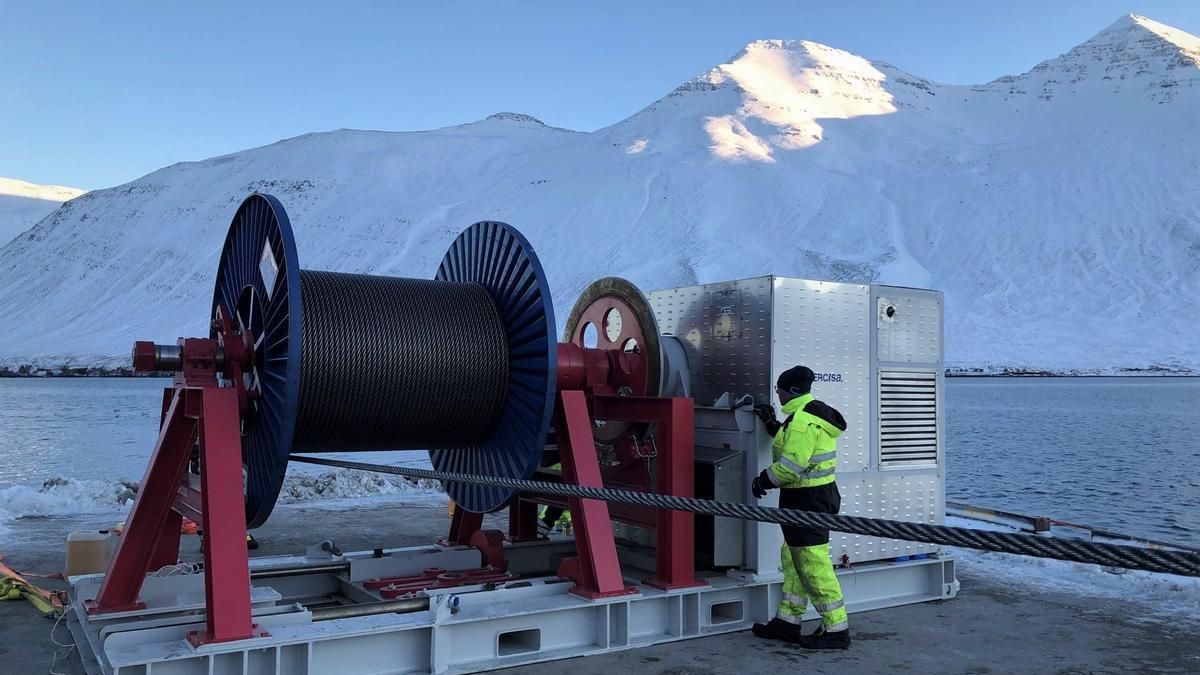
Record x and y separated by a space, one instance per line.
772 94
1135 53
798 54
815 49
1135 29
54 193
515 117
24 204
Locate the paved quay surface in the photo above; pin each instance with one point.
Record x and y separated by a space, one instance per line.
988 628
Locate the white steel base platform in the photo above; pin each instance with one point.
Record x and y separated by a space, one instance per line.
466 629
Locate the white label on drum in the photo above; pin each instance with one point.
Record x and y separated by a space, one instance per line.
268 268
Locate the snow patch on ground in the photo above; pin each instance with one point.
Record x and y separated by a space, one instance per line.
340 488
64 497
637 146
1148 594
348 483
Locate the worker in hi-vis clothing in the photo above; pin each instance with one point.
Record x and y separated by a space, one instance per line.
553 517
804 455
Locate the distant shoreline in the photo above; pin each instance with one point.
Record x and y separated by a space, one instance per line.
1123 372
1035 375
26 372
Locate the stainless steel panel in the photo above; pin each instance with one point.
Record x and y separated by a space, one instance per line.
824 325
720 475
914 497
908 325
726 329
721 431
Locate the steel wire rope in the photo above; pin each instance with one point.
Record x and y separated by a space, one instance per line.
1151 560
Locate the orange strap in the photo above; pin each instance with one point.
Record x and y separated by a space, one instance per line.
46 595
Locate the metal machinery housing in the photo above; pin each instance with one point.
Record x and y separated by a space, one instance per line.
643 393
877 354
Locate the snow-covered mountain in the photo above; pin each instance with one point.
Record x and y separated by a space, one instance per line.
23 204
1058 209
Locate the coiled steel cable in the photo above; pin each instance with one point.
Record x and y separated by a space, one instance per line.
381 355
1128 557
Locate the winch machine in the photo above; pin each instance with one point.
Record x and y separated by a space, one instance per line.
647 392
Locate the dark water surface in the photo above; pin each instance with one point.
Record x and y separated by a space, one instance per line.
1118 453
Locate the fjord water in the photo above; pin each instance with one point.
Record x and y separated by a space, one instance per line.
1118 453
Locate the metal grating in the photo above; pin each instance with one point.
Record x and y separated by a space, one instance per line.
908 433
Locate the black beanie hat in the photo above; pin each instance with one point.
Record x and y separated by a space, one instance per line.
796 381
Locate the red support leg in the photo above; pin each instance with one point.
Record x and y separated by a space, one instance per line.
226 563
210 416
138 547
463 524
166 546
599 569
676 556
522 520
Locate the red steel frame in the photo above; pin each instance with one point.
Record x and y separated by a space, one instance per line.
202 416
597 569
674 475
587 381
463 524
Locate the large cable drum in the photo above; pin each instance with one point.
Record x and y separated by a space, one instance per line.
461 365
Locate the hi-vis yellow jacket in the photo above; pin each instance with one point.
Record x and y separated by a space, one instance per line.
805 448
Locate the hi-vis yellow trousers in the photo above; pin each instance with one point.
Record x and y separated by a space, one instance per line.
808 575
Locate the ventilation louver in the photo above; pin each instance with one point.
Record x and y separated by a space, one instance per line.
907 418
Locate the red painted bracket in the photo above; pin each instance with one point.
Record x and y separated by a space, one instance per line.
599 570
205 418
463 525
523 520
436 577
490 544
675 557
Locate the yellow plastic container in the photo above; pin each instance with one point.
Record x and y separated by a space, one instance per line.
88 551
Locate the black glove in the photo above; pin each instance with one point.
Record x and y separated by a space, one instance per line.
762 483
766 413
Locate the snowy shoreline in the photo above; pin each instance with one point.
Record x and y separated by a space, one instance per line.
1160 595
72 497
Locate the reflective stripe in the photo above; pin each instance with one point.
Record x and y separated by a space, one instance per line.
823 457
839 626
797 599
774 478
830 607
789 618
806 471
792 465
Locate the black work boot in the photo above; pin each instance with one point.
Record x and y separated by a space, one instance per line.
777 629
823 639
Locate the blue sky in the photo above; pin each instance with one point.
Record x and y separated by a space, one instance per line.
93 94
